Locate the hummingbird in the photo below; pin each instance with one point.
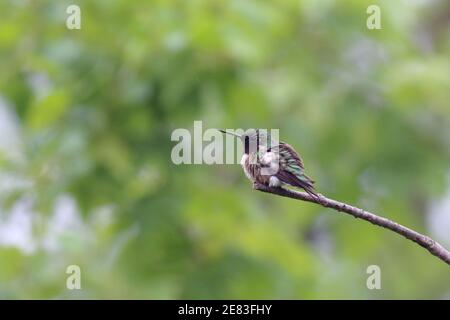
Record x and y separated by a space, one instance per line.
271 163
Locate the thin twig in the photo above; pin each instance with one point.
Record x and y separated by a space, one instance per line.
432 246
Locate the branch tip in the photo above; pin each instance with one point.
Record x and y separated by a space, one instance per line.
428 243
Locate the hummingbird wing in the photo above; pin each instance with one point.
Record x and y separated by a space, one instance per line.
292 170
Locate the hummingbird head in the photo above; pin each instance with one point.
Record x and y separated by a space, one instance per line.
252 139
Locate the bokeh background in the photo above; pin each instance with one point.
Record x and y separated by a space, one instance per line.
86 176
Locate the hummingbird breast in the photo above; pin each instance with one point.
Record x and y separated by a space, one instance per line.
252 169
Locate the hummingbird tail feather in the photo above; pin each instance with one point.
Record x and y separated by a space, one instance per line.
311 191
308 187
309 179
302 181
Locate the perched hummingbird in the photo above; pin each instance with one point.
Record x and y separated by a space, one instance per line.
271 163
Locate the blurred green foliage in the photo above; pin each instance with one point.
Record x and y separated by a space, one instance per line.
86 176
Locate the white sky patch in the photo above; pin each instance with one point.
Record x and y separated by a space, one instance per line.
16 228
438 218
65 220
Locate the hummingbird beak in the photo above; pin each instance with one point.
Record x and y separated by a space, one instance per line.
232 133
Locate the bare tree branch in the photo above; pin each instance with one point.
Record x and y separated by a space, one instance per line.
432 246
